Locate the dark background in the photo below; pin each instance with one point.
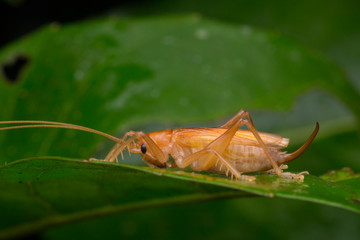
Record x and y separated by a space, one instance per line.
21 17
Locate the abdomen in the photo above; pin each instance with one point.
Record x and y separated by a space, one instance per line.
243 152
248 158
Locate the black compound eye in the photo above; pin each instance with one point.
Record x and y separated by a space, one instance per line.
143 148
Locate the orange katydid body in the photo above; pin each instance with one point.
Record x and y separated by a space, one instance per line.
225 149
220 149
243 151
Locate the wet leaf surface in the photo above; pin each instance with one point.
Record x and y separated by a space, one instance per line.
41 193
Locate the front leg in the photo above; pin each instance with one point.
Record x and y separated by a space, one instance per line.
128 142
119 148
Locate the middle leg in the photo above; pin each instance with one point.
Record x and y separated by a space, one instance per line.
215 149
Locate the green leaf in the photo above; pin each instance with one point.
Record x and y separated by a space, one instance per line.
47 192
114 74
340 175
110 74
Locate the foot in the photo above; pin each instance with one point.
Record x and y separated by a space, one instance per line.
298 176
95 159
247 178
272 171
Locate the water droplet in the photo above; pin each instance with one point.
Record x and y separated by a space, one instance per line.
206 69
246 30
155 93
202 33
260 37
239 63
295 55
184 101
79 75
197 58
109 83
270 48
169 40
156 65
131 90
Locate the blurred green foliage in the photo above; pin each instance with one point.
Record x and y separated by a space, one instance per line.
329 26
32 200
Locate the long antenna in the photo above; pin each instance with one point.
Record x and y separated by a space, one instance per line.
49 124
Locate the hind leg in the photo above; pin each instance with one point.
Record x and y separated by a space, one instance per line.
240 116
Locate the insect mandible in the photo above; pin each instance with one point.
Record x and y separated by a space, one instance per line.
223 150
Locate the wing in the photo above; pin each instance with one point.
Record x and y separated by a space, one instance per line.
200 137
